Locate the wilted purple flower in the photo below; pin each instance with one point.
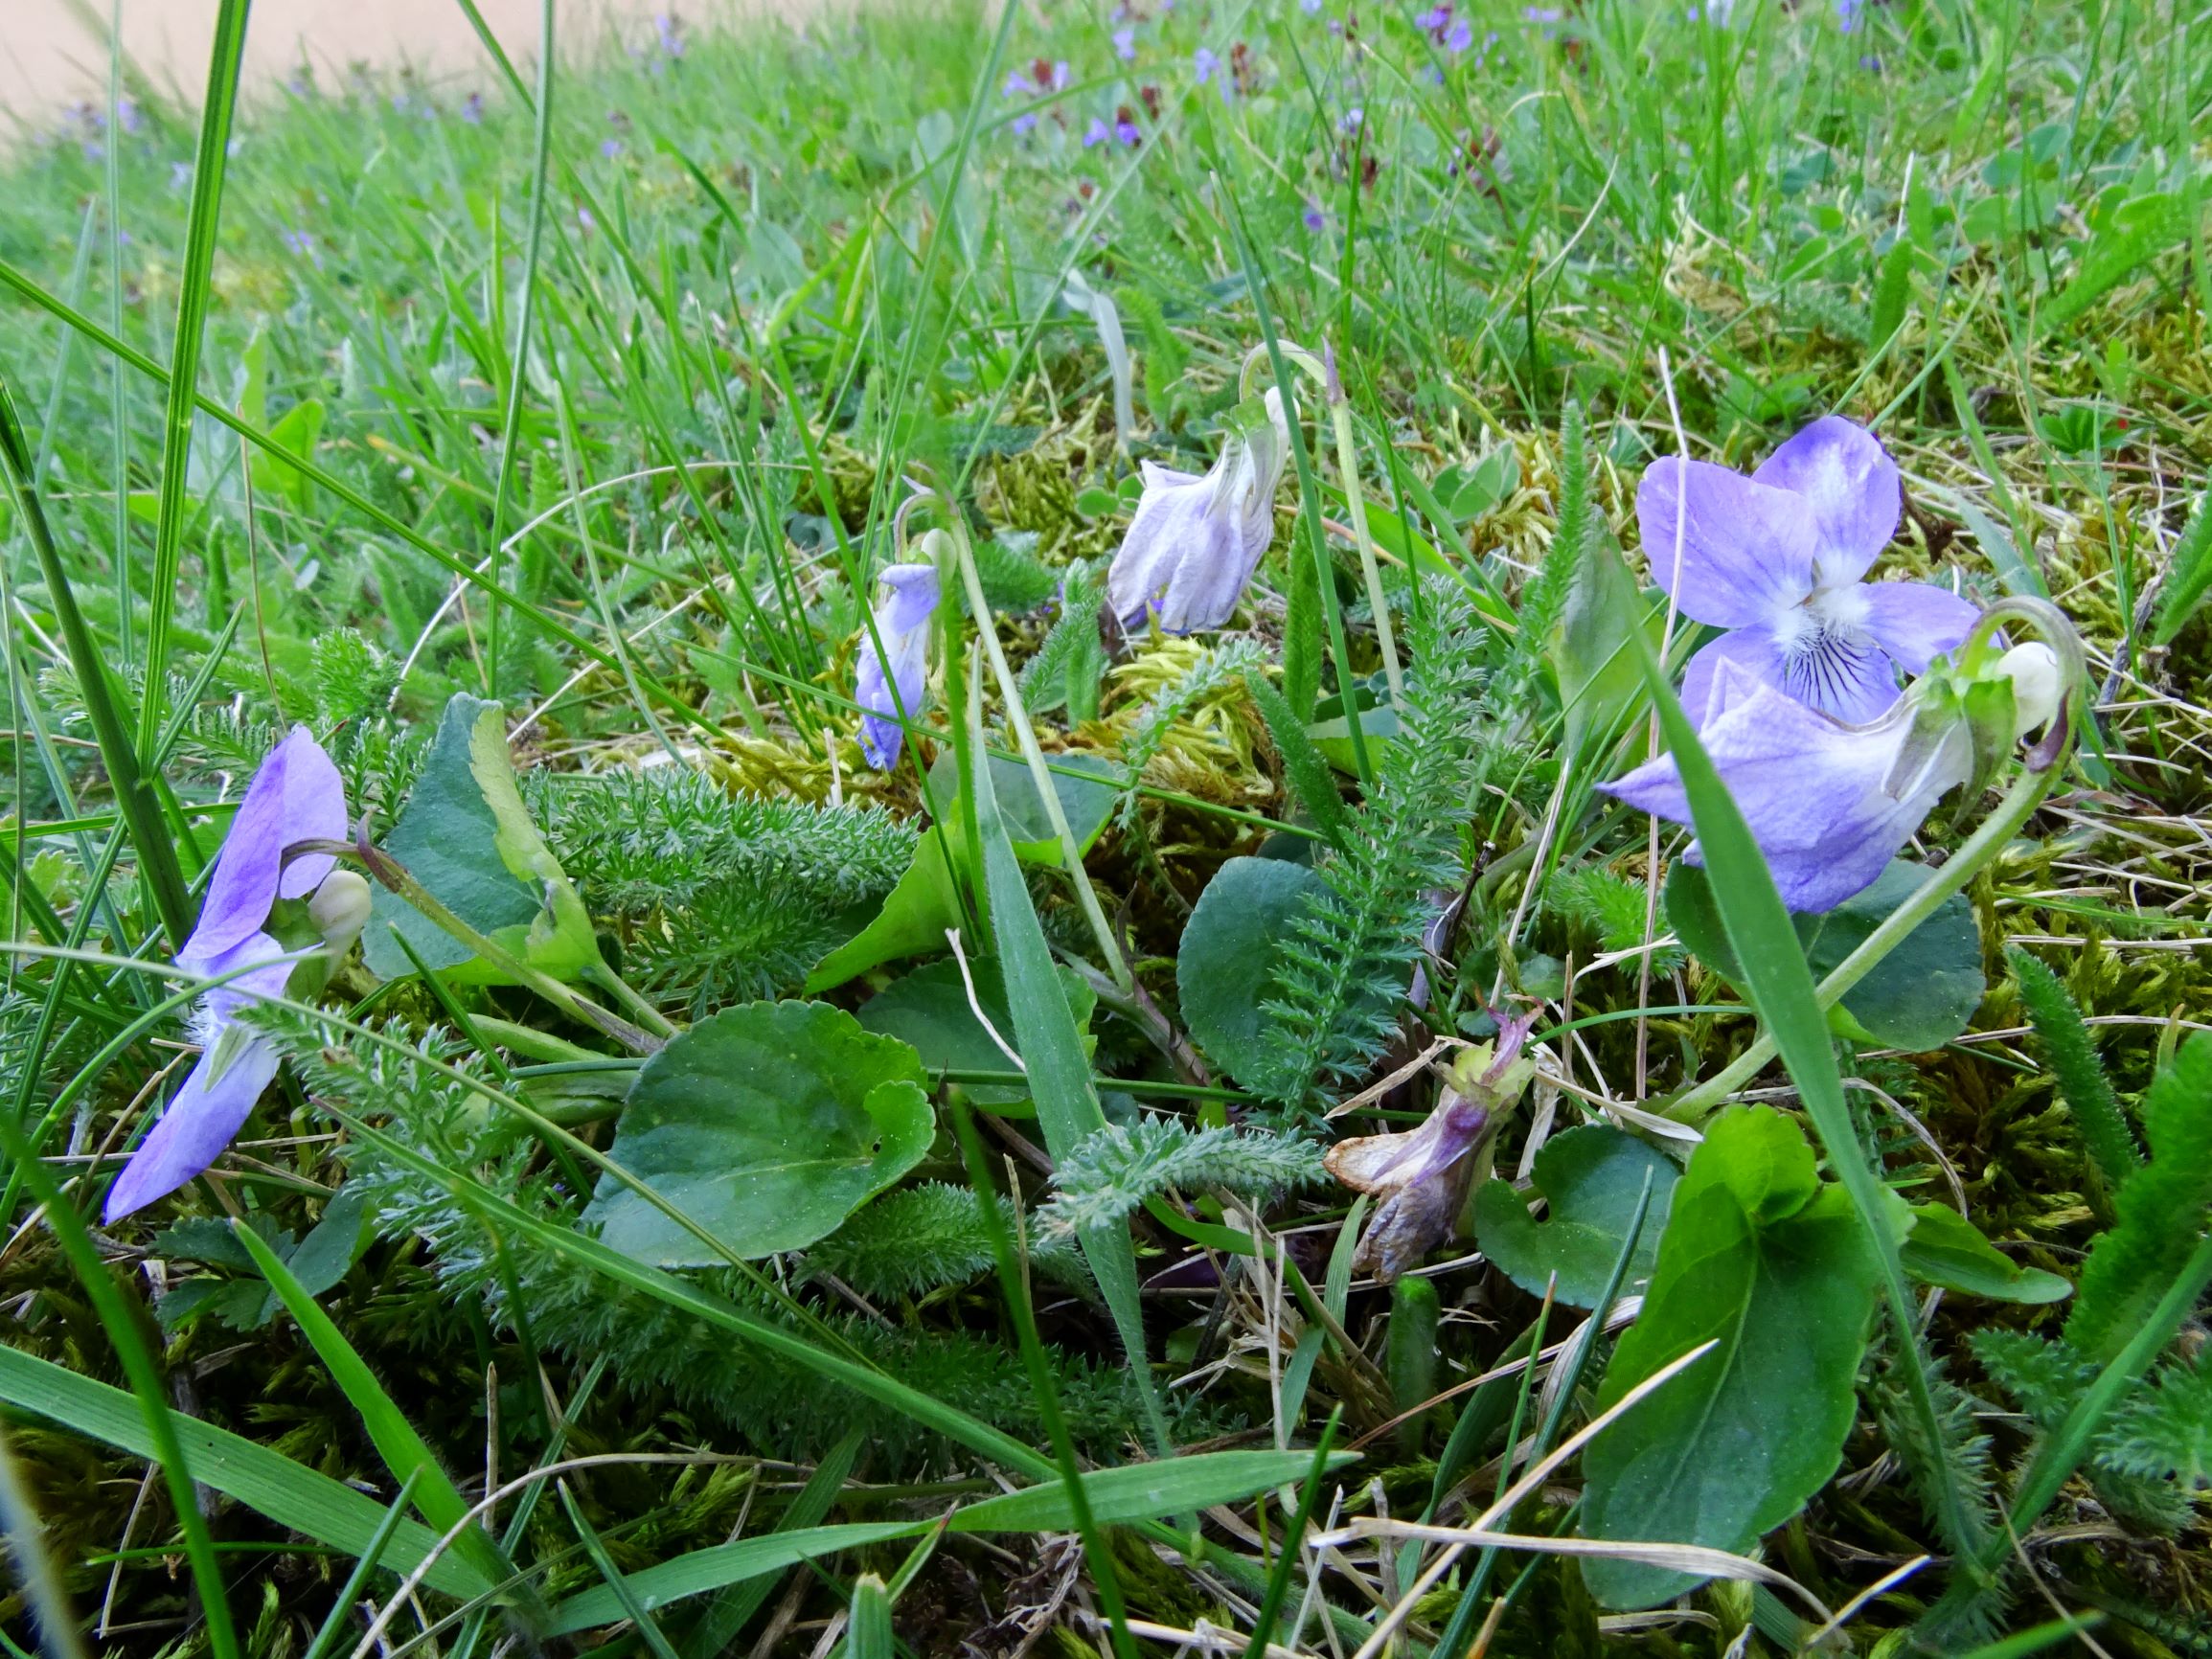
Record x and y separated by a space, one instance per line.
1096 134
1194 542
902 621
295 796
1204 62
1126 44
1776 559
1422 1174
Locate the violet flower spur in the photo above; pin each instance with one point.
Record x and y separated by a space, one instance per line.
1777 558
295 797
902 624
1194 542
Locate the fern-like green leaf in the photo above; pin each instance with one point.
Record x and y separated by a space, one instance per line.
1303 764
923 1238
1115 1170
2162 1209
2072 1059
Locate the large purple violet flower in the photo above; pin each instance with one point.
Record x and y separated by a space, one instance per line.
1830 804
295 796
902 624
1776 559
1194 540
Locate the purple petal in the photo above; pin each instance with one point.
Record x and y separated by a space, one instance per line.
1812 792
200 1121
1839 671
296 795
1750 650
901 623
1916 622
1747 550
1848 480
913 597
256 966
1170 514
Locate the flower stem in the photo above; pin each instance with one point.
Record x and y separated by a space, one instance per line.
1348 470
1018 716
2021 801
395 875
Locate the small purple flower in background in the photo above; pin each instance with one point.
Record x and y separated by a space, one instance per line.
1025 122
295 796
128 115
1096 134
1776 559
1126 44
1062 76
1311 8
609 148
1434 20
1127 132
1194 542
1848 15
1459 37
902 623
670 29
586 219
1314 218
1204 63
473 109
303 242
1353 121
1017 85
180 176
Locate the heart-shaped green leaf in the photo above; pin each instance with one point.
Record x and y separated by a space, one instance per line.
465 835
1771 1264
928 1010
767 1125
1225 968
1945 1248
913 920
1086 799
1591 1177
1918 998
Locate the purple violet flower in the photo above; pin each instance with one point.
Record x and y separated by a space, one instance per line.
473 109
296 795
1127 130
1311 8
1314 218
1204 62
1096 134
1829 803
1024 122
902 623
1434 20
1017 85
1776 560
1194 542
1459 37
1126 44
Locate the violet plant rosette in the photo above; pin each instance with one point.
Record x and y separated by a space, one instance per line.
1194 540
1778 559
296 797
889 686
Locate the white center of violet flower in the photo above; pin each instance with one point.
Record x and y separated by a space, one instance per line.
1822 640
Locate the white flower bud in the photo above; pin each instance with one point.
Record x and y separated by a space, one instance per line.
340 909
2033 671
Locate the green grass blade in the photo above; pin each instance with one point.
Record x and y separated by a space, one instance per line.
372 1556
1060 1076
1778 985
194 287
134 795
632 1609
405 1455
291 1494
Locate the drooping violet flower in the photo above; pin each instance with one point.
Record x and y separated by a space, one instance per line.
1204 63
1194 542
1422 1174
1830 803
902 623
473 109
1096 134
1126 44
1776 559
295 796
